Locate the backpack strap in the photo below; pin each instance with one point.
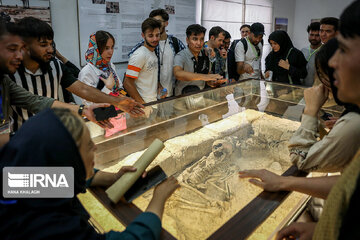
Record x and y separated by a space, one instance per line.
243 40
176 44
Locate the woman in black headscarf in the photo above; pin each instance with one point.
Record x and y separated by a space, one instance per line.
287 63
58 138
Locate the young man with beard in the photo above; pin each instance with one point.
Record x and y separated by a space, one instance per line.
248 53
165 51
309 52
192 65
11 46
142 71
43 75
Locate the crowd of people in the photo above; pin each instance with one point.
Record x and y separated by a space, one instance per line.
36 79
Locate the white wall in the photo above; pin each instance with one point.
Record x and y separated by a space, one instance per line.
285 9
64 20
306 10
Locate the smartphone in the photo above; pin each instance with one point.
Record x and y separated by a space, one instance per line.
153 177
104 113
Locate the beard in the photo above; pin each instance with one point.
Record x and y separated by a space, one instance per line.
150 45
314 42
44 66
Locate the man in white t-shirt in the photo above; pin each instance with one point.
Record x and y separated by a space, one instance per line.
168 47
142 72
248 53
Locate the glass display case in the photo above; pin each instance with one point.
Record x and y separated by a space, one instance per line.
209 137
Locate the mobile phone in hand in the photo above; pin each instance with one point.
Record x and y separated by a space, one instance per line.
153 177
104 113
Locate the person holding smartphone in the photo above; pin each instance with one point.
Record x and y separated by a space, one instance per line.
99 72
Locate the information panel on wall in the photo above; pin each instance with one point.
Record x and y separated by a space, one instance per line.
123 18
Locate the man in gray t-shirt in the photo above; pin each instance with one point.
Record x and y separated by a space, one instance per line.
192 66
309 52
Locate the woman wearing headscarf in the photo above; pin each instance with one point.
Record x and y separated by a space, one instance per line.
335 150
287 63
338 151
99 71
57 138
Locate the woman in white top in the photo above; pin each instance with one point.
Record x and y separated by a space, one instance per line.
99 72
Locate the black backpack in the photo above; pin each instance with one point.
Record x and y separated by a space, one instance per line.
176 44
232 66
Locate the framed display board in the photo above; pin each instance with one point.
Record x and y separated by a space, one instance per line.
123 18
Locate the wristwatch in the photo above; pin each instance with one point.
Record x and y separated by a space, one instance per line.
81 109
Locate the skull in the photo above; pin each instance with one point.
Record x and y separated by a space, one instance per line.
222 148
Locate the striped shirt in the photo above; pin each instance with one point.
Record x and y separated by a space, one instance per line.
51 84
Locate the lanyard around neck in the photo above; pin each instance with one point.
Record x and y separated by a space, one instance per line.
310 54
253 49
162 53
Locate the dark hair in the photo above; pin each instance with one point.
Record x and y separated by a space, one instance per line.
314 26
227 35
215 31
195 29
350 20
150 23
321 63
330 21
159 12
245 25
322 58
9 28
35 28
101 39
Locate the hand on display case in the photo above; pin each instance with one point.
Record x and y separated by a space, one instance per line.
216 83
212 77
268 181
301 231
315 97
